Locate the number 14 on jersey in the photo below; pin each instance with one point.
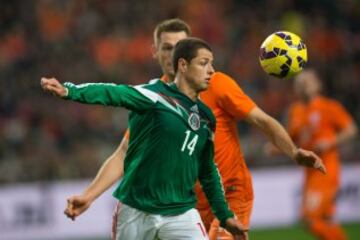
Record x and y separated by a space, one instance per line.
189 144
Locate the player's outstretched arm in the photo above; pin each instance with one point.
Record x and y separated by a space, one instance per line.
344 135
109 173
134 98
281 139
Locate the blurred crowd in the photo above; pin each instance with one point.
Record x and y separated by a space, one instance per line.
44 138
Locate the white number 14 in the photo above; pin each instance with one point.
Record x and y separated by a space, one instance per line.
189 145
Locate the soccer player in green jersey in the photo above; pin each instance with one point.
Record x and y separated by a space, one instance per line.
167 33
170 147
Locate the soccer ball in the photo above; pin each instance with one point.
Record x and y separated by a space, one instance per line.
283 54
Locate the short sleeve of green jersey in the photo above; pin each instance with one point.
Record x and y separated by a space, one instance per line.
135 98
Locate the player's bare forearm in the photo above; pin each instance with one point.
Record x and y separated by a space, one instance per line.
347 134
110 172
273 130
281 139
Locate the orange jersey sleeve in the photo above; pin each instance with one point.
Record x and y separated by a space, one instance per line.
342 119
230 97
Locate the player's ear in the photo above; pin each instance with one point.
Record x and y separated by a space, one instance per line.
182 65
154 51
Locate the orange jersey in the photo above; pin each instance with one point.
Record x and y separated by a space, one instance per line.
316 122
229 104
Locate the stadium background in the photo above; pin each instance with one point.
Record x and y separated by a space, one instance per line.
44 140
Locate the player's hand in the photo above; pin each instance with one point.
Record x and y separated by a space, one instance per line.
53 86
310 159
238 231
76 205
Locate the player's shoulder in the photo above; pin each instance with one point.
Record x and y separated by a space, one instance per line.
151 89
154 81
153 85
220 82
330 100
220 77
327 102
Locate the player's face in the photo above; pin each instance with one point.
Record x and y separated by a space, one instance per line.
198 72
163 50
307 85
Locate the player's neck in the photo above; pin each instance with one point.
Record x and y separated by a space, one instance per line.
185 88
170 78
309 99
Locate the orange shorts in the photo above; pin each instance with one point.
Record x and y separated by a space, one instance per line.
318 202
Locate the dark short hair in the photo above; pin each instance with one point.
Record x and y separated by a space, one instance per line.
171 25
187 49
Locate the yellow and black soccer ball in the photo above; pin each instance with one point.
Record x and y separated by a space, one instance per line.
283 54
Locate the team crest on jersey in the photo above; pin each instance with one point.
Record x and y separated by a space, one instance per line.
194 121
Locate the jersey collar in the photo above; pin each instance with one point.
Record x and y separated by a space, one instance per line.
174 88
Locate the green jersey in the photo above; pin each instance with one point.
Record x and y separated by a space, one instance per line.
170 147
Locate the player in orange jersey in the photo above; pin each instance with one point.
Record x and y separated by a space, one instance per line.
320 124
229 104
